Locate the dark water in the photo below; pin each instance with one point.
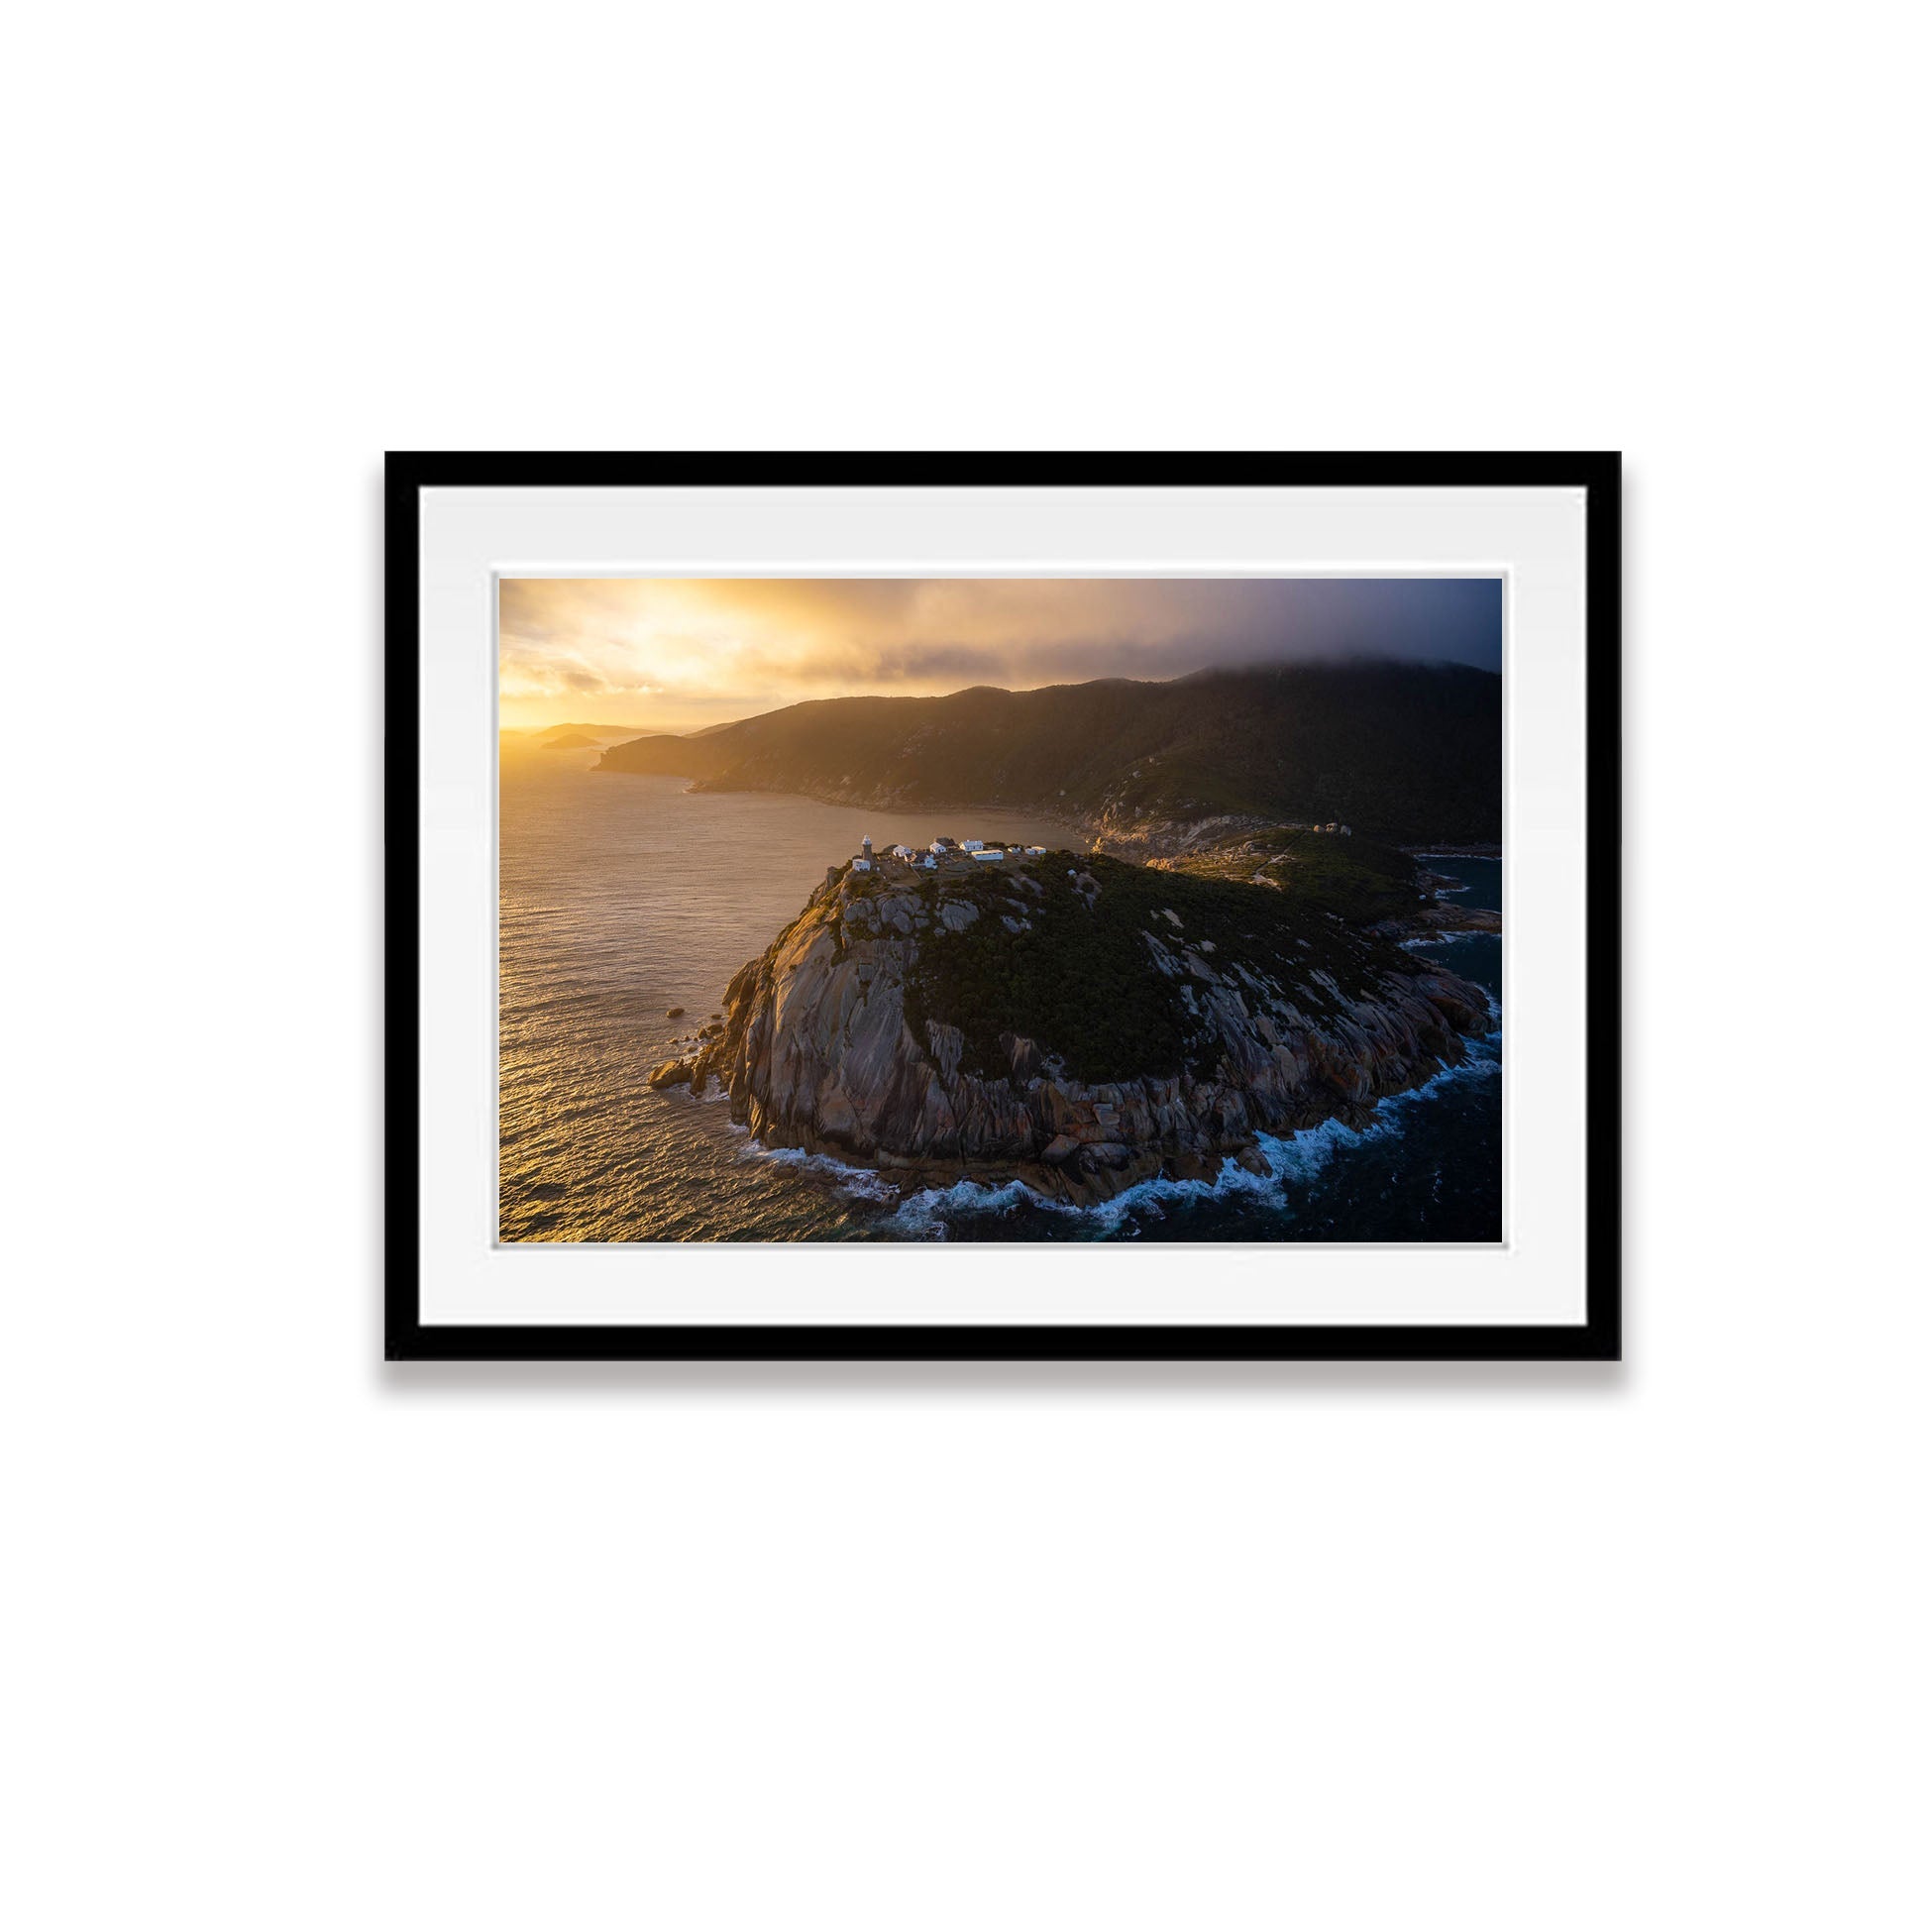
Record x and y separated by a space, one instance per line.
624 896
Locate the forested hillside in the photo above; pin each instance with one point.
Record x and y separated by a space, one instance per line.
1400 752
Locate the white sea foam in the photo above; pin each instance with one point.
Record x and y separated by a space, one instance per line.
861 1183
923 1216
1294 1162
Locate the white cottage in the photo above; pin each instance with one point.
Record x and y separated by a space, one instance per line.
971 845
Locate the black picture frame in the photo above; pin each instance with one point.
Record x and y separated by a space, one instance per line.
1598 1338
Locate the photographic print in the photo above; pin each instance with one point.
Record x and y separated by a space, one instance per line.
1003 907
1128 909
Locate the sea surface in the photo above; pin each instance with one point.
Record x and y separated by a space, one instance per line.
624 895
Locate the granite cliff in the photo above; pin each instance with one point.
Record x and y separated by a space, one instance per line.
1079 1024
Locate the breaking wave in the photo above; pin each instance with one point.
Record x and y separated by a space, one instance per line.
1294 1161
861 1183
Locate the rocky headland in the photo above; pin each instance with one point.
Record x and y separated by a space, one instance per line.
1075 1022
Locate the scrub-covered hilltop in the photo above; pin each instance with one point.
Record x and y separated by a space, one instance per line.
1075 1024
1364 883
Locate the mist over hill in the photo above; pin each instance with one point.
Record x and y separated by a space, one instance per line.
1403 752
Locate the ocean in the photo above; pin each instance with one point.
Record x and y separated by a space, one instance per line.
624 896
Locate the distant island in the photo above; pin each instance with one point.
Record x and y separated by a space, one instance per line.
1410 754
1080 1023
513 743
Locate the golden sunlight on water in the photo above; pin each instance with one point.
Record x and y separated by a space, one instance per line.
620 897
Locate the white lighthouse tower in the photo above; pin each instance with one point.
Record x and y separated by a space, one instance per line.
865 848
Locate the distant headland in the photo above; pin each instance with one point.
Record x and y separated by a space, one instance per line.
1401 753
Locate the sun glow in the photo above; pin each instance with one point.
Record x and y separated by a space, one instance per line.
668 654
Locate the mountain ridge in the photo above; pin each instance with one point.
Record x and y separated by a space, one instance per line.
1404 752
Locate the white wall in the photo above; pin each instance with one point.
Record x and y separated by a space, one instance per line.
293 1640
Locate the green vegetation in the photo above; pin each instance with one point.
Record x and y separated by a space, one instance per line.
1353 878
1401 752
1082 982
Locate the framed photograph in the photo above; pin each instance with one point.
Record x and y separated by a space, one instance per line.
1002 907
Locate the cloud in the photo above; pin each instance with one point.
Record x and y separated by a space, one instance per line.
725 647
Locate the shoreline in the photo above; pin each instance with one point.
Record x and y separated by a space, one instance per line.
696 789
1097 835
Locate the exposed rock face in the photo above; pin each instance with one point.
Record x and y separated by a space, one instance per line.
1444 917
818 1051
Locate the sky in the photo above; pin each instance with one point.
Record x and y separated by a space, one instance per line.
668 654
